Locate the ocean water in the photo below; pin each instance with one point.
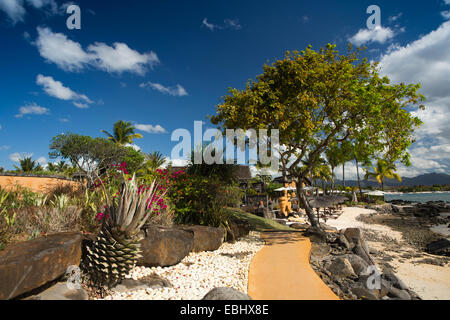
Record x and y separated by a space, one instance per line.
419 197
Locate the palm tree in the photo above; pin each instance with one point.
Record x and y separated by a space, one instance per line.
2 169
123 133
28 165
61 166
332 158
155 160
384 169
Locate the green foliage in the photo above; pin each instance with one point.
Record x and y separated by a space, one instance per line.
199 200
318 99
123 133
271 187
384 169
27 165
93 155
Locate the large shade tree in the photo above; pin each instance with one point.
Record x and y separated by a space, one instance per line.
93 155
321 98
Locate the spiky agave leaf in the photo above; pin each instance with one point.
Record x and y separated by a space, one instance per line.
116 249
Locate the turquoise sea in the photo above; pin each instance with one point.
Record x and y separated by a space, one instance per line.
419 197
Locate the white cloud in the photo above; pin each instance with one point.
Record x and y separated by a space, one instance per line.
208 25
150 128
396 17
4 148
178 91
49 6
121 58
32 109
57 48
70 55
42 161
445 14
227 24
81 105
57 90
16 157
134 146
176 162
428 63
14 9
232 24
378 34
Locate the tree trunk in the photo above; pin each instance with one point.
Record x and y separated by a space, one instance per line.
359 180
305 203
343 175
332 181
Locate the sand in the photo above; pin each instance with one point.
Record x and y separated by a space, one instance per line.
429 281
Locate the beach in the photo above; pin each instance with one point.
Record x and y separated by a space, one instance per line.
428 275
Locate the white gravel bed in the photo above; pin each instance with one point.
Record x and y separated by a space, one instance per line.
199 273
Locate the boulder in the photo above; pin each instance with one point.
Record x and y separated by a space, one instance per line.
153 281
163 247
238 229
300 226
29 265
399 294
394 280
358 264
364 293
341 268
440 247
206 238
358 244
225 294
61 291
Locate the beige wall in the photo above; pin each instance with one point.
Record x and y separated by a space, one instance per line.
36 184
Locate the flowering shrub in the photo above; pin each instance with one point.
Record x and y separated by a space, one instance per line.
196 200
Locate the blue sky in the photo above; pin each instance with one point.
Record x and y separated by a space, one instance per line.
164 64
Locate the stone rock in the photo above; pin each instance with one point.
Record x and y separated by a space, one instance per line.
238 229
225 294
400 294
352 234
358 264
361 250
163 247
151 281
300 226
344 242
206 238
440 247
61 291
327 227
359 245
394 280
367 280
29 265
341 268
364 294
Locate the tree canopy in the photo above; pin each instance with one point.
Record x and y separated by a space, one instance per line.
92 155
321 98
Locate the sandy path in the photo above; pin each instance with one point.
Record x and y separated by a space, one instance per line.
281 270
429 281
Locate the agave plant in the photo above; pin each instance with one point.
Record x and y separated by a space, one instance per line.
116 249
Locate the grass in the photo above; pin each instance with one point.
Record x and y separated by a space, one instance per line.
258 223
